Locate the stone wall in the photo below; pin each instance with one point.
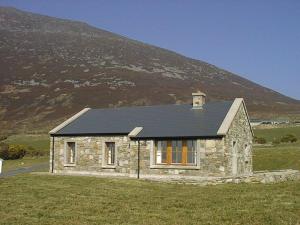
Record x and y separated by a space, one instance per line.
264 177
210 160
214 156
239 131
89 155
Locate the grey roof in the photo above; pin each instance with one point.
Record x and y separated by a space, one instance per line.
157 121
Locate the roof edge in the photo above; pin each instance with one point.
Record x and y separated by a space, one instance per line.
177 137
231 115
248 117
68 121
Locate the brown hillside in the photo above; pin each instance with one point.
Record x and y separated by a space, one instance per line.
51 68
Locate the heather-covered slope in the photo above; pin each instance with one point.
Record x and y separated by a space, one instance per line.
51 68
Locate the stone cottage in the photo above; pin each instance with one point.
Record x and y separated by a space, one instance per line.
212 139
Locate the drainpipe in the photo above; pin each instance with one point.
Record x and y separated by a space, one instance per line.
52 166
138 172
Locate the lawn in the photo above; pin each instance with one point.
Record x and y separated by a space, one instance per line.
285 156
276 157
38 199
45 199
277 133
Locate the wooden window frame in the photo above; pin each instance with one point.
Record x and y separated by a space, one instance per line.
169 150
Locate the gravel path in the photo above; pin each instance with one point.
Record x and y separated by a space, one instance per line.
25 170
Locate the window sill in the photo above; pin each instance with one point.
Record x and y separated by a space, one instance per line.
175 167
69 165
109 167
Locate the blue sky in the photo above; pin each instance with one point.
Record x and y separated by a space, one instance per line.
257 39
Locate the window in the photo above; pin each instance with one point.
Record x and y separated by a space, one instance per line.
176 152
161 152
234 158
247 153
110 153
182 152
191 151
70 153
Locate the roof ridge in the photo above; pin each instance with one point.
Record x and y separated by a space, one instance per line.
161 105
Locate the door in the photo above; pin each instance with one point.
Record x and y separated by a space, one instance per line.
234 159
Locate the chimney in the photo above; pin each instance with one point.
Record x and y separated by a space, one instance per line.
198 100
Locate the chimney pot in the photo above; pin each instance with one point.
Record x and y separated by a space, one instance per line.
198 100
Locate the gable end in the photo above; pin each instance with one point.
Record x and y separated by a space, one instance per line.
231 115
68 121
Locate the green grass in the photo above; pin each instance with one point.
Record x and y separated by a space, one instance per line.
40 142
277 157
277 133
284 156
37 199
21 163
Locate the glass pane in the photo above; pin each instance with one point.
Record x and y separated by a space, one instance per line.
164 157
190 145
179 146
192 151
176 151
179 152
110 153
173 156
191 157
174 146
70 154
179 157
158 152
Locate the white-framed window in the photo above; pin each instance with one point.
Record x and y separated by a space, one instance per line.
70 153
191 151
161 152
110 153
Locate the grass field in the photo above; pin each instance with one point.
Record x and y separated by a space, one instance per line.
37 199
277 133
282 156
40 142
42 199
279 157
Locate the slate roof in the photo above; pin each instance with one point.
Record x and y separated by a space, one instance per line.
157 121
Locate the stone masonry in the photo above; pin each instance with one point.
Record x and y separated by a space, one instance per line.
214 155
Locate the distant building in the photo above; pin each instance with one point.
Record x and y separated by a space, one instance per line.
211 139
257 122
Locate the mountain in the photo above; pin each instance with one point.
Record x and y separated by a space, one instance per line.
51 68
